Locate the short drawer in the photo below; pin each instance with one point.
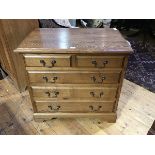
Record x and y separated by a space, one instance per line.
74 77
49 60
100 61
68 92
74 106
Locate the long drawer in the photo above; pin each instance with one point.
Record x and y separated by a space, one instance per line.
100 61
74 77
74 106
47 60
75 91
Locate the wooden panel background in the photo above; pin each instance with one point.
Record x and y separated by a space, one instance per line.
12 32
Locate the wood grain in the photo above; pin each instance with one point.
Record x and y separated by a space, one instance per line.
100 61
74 91
35 60
110 117
12 32
74 77
74 106
63 40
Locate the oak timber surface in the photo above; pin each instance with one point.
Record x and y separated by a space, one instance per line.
62 40
78 48
12 32
136 113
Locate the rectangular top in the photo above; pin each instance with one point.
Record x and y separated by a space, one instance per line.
74 40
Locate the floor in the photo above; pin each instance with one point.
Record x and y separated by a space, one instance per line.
136 113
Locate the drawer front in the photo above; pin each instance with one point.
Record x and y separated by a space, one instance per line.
47 60
100 61
71 77
108 93
74 106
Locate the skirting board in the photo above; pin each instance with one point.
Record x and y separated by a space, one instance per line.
109 117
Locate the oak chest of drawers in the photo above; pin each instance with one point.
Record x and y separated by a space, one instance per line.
74 72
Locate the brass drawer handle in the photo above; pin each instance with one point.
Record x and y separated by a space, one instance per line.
53 62
94 79
94 62
43 63
48 94
95 109
45 78
53 94
105 62
54 108
94 95
52 81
